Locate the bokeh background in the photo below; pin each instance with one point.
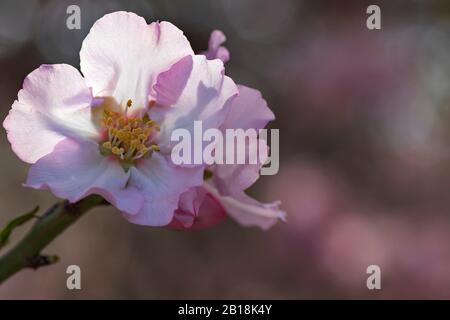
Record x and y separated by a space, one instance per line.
364 119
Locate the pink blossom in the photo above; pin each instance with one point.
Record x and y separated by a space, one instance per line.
228 183
107 131
215 48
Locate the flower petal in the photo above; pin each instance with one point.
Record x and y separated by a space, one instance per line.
53 104
215 50
76 169
248 110
247 211
171 83
232 178
197 210
191 200
161 184
188 208
122 55
202 96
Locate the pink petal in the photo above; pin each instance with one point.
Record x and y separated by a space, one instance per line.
197 210
161 183
122 55
76 169
247 211
53 104
203 94
215 50
216 38
191 200
170 84
248 110
232 178
223 54
188 208
211 212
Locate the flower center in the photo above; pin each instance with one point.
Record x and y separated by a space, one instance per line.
128 138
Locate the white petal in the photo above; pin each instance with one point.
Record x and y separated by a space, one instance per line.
76 169
54 103
122 55
161 185
203 95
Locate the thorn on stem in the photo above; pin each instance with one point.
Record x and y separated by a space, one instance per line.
38 261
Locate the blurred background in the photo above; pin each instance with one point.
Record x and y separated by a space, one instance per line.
364 119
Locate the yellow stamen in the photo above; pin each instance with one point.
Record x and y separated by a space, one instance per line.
117 151
129 138
155 147
137 131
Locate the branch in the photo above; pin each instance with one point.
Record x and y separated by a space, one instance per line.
27 253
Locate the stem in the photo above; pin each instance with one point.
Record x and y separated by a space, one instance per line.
26 254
